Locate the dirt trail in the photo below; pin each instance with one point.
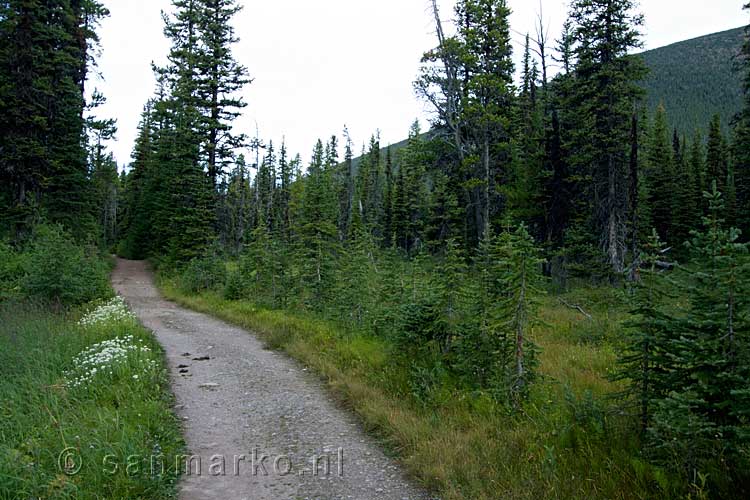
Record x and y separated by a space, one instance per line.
239 400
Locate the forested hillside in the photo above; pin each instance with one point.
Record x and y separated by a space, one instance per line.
696 79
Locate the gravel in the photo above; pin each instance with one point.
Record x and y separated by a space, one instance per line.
245 403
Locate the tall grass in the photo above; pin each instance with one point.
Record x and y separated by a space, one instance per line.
113 419
571 441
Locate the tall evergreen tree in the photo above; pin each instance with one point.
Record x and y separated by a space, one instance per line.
644 360
219 80
741 144
605 31
717 167
44 62
469 81
703 415
661 177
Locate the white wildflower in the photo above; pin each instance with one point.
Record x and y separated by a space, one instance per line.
103 358
114 311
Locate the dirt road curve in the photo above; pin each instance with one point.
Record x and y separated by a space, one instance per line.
256 419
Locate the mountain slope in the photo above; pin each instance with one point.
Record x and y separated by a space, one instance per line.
695 79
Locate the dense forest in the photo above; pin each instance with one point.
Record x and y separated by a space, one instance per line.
446 248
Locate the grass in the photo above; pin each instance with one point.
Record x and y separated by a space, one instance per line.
112 421
571 441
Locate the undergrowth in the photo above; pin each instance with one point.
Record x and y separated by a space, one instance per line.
571 441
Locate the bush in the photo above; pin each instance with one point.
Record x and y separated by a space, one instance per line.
235 286
11 272
202 274
58 270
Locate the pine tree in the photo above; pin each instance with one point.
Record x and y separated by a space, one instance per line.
661 177
528 174
496 350
716 156
698 175
318 236
411 205
741 143
357 273
238 207
702 418
468 79
484 30
452 298
44 63
284 194
607 85
644 361
387 223
219 79
524 286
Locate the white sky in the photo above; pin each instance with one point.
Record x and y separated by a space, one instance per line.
319 65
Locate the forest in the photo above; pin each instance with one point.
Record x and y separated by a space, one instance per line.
551 283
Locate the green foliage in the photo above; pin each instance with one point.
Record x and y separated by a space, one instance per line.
11 272
688 369
514 289
645 361
604 95
661 177
204 273
58 270
703 415
741 143
45 57
235 287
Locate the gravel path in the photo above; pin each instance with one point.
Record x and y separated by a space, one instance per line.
256 419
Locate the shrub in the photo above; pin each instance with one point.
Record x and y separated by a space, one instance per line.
11 272
202 274
235 286
58 270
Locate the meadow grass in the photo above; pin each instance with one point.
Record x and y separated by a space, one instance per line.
572 440
117 417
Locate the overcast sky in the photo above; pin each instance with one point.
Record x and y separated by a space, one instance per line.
319 65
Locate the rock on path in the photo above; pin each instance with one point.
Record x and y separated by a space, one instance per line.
255 418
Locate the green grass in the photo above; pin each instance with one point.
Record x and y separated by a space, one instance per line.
571 441
114 419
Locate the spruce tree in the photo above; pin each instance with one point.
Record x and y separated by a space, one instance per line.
605 31
703 416
520 268
468 79
741 143
698 175
484 31
716 156
219 79
318 236
644 360
45 59
238 207
661 177
528 175
388 201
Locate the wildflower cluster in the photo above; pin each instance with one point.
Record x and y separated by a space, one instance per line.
112 311
112 357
